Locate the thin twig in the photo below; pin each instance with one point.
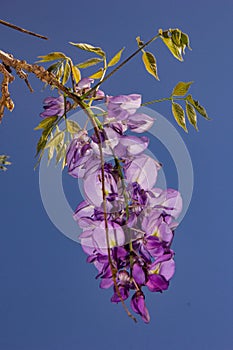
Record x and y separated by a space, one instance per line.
25 31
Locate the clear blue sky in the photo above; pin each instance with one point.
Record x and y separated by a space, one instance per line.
49 299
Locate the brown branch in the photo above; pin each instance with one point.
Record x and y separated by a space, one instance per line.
21 66
5 100
24 76
25 31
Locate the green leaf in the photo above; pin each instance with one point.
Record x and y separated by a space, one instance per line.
72 126
50 153
199 108
52 57
61 154
41 143
181 88
176 41
46 123
3 162
116 58
185 42
66 74
174 49
179 115
89 48
56 140
176 36
53 67
76 73
60 71
191 114
90 62
97 75
51 150
150 63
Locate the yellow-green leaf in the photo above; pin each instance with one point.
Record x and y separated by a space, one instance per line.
89 48
174 49
60 71
150 63
72 126
191 114
53 67
61 154
45 123
176 41
179 115
41 143
185 42
98 74
56 140
66 74
89 63
50 153
176 36
76 74
116 58
181 88
3 162
51 150
52 56
199 108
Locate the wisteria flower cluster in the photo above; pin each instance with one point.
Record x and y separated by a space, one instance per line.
128 222
128 231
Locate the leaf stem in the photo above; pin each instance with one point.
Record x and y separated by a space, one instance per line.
171 98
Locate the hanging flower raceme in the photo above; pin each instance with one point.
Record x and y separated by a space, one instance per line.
128 231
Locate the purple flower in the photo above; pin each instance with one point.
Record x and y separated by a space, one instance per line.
143 170
138 274
153 246
157 283
120 107
140 122
54 106
138 305
84 85
160 272
109 139
129 146
124 284
116 236
133 252
138 197
92 185
78 155
168 201
155 225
